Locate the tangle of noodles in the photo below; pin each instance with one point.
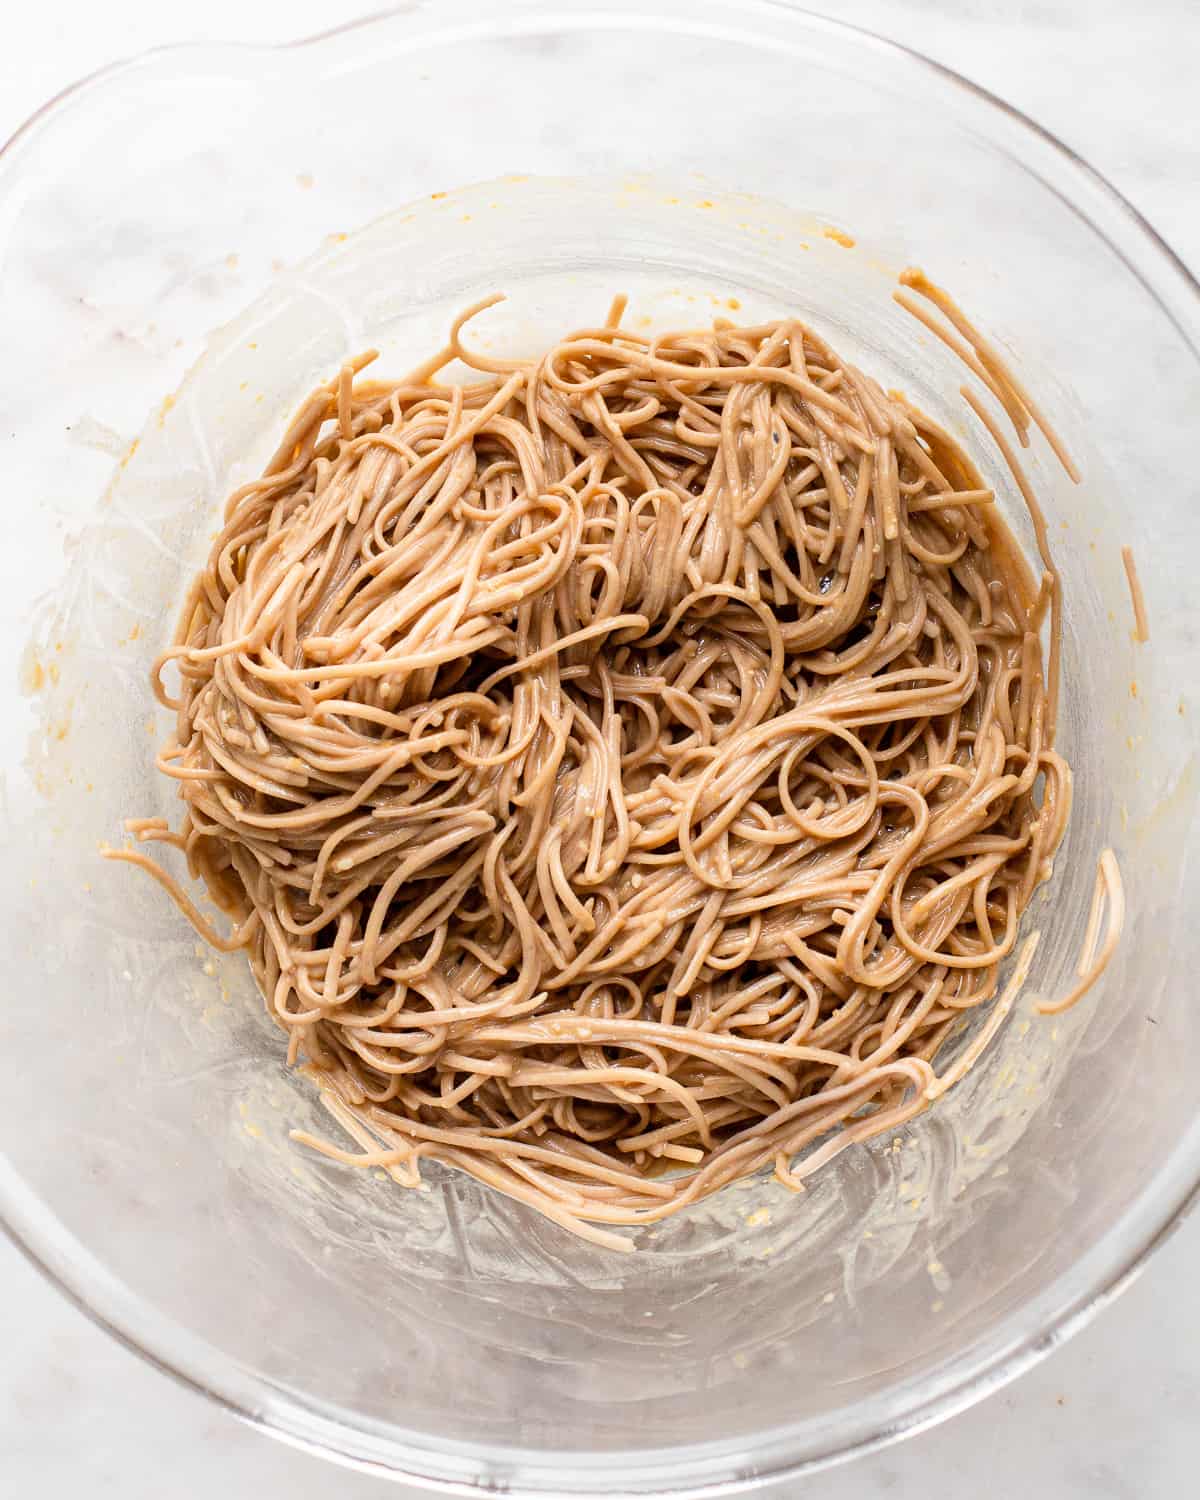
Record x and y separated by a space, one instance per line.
626 768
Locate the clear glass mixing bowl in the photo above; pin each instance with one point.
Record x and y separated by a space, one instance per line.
694 153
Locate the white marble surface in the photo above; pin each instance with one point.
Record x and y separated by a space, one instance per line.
1116 1413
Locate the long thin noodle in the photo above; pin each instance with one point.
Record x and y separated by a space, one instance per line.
1141 625
625 759
1109 893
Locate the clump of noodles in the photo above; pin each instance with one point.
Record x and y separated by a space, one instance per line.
634 759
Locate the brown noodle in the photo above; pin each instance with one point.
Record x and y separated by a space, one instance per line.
1141 625
635 759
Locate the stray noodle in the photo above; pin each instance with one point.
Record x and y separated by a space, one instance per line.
1141 625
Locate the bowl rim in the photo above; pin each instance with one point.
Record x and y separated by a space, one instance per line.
696 1469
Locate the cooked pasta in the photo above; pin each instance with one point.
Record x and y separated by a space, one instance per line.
624 769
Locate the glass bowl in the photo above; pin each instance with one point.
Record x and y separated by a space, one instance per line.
182 253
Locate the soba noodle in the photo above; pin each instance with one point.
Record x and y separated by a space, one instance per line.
625 769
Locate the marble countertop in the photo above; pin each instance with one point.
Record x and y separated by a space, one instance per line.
1113 1415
